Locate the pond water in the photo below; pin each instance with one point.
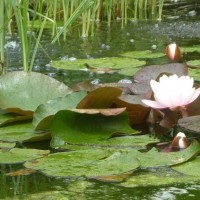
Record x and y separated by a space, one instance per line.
146 35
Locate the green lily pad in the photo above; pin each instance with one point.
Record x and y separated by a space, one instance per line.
45 112
21 132
194 63
7 145
190 49
190 168
153 158
25 91
157 177
9 118
119 63
89 163
17 155
143 54
93 127
195 73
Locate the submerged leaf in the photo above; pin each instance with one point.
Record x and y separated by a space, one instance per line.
24 91
89 163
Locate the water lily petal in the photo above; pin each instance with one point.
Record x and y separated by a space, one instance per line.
153 104
195 96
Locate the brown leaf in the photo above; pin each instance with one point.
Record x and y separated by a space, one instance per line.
106 111
136 110
102 97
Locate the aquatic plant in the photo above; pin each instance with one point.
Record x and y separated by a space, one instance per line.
172 92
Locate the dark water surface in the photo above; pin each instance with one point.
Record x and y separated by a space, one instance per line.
146 35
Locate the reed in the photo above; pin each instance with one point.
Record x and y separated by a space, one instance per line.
64 14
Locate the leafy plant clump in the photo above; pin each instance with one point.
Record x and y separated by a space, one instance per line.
99 124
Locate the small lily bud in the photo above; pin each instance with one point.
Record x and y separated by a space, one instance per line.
173 52
180 141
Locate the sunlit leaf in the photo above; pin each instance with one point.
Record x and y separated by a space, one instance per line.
89 163
17 155
44 113
25 91
7 145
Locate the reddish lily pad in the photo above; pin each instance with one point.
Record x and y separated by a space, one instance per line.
146 74
191 123
137 112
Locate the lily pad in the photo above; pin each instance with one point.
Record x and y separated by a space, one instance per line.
89 163
194 63
94 129
190 49
148 73
143 54
153 158
157 177
25 91
137 112
119 63
45 112
102 97
7 145
21 132
190 123
189 168
17 155
195 73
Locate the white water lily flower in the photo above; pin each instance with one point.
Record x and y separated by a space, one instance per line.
172 91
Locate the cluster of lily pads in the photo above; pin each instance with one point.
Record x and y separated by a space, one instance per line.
96 127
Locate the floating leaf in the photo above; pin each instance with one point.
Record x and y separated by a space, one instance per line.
25 91
190 123
89 163
148 73
157 177
190 49
143 54
16 155
21 132
153 158
7 145
190 168
106 62
194 63
102 97
85 129
9 118
44 113
137 112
